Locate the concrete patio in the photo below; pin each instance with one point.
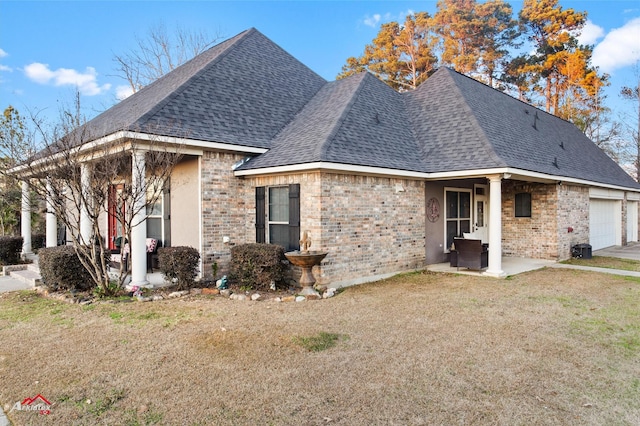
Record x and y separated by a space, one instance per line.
510 266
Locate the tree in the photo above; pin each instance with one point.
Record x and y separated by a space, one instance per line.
13 144
74 174
401 55
632 94
475 37
158 53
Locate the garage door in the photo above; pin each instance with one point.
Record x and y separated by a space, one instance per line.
604 223
632 221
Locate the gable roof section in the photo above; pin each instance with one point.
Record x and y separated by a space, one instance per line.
464 124
242 91
357 121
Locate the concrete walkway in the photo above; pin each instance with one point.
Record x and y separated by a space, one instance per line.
12 284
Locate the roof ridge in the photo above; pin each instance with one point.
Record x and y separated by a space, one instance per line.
233 42
324 146
485 142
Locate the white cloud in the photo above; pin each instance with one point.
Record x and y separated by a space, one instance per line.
620 47
3 53
85 82
5 68
590 33
123 92
372 21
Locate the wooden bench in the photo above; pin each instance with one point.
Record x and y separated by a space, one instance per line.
471 254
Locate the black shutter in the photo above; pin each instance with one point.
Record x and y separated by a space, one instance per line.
294 217
260 215
166 211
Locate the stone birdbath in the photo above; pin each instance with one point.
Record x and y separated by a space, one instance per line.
306 260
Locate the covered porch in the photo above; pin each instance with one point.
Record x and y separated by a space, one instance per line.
510 266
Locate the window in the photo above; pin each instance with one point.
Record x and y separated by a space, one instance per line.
458 214
158 212
523 204
278 216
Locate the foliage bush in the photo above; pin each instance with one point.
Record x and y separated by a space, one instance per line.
61 269
257 265
38 241
10 249
179 264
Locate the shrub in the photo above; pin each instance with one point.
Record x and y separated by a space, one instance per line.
179 264
256 265
61 269
10 248
38 241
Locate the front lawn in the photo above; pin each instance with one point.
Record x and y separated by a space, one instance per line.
606 262
553 346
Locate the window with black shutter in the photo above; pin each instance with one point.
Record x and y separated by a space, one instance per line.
278 216
523 204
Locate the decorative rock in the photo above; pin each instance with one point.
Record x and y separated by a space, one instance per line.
156 297
178 294
210 291
277 299
195 291
238 297
313 297
225 292
300 298
86 302
255 296
330 292
144 299
288 298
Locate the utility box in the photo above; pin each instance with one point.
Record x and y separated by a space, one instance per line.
582 251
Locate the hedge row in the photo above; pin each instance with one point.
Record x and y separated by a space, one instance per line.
10 249
256 266
61 269
179 264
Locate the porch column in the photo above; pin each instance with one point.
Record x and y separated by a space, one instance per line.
495 227
86 226
25 223
138 243
51 223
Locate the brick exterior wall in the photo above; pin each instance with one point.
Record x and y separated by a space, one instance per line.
368 227
554 209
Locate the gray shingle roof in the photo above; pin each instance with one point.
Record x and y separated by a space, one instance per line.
247 91
242 91
466 124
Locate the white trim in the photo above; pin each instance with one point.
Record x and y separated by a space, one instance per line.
200 224
606 194
633 196
465 174
458 219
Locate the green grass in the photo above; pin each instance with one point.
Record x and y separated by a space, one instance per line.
320 341
606 262
24 306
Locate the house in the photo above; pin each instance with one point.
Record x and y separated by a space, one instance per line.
382 180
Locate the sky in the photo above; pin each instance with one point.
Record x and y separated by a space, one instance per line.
50 48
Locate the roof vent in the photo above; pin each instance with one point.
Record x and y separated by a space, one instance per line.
377 119
555 162
562 144
535 121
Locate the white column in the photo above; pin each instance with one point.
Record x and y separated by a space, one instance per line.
25 224
138 243
51 223
86 227
495 227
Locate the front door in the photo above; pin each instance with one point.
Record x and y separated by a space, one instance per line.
116 214
481 213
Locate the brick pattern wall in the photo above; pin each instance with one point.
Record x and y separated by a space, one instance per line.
554 209
368 227
226 203
371 226
573 202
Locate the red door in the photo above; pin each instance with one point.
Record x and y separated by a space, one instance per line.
116 213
